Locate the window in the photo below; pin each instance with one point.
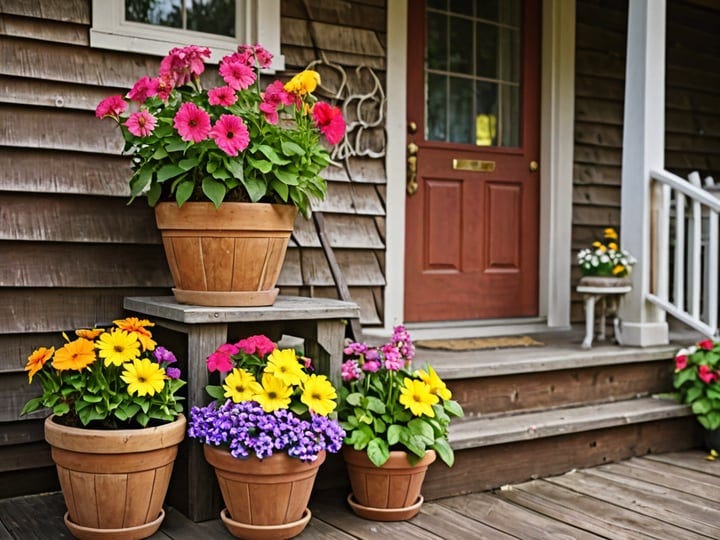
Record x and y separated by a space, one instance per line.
156 26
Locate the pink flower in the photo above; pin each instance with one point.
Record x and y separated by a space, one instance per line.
680 362
371 366
183 63
329 121
393 359
264 57
192 123
111 106
706 374
350 371
260 345
143 89
165 85
237 75
274 97
141 124
706 345
245 55
222 95
230 134
220 360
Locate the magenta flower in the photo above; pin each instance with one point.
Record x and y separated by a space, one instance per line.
141 124
680 362
172 372
264 57
220 360
350 371
274 97
192 123
184 63
260 345
143 89
706 374
222 95
165 85
706 345
230 134
371 366
237 75
329 121
355 348
393 359
245 55
111 106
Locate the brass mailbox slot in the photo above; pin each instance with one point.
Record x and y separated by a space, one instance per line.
473 165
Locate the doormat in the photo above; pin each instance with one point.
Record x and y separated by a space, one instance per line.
476 344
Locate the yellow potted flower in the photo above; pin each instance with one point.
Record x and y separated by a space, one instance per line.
396 419
115 426
605 258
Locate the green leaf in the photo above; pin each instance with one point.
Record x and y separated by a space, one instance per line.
139 181
261 165
215 392
354 399
280 188
32 405
221 173
159 153
453 408
214 190
61 408
358 439
142 419
375 405
378 426
291 179
270 153
153 194
235 166
256 188
175 146
444 451
702 406
90 398
168 171
290 148
394 433
378 452
184 191
189 163
422 429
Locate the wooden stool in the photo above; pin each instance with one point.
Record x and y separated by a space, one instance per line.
606 290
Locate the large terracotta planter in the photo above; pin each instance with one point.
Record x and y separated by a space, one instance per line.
266 498
387 493
229 256
114 481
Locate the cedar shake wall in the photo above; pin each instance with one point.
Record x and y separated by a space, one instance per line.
71 248
692 137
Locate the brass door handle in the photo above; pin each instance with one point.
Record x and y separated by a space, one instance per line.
534 166
412 185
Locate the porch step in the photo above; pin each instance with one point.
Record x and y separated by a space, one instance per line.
501 429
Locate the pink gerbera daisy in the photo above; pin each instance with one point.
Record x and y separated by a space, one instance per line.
184 63
192 123
230 134
237 75
143 89
329 121
165 85
111 106
141 124
274 97
222 95
264 57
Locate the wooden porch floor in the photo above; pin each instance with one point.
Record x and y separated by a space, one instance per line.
667 496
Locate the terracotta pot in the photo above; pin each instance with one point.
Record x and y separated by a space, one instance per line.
387 493
229 256
265 498
114 481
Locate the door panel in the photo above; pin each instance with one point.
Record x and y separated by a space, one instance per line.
473 95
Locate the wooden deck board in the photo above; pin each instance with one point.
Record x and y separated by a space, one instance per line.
665 496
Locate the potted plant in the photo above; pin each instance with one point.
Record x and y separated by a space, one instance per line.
605 263
115 426
697 383
236 161
266 435
396 420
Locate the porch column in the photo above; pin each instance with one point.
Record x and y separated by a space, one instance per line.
643 324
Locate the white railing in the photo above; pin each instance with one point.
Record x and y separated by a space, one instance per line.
684 250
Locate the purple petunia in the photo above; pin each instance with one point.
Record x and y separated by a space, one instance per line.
164 356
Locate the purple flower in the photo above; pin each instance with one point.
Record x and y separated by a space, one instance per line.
172 372
164 356
351 370
371 366
393 359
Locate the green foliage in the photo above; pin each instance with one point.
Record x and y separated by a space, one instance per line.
696 380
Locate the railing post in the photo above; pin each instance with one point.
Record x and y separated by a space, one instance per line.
643 324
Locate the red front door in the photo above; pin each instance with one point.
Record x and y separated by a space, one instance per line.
473 147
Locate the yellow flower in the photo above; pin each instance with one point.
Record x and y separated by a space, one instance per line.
318 394
143 376
138 327
37 359
613 245
75 355
117 347
285 366
273 394
611 233
303 83
436 384
618 269
89 334
418 397
241 386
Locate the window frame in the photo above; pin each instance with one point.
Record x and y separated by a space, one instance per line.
256 21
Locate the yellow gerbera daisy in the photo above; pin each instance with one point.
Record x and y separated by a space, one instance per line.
89 334
436 384
284 365
37 359
75 355
613 245
241 386
273 394
611 233
138 327
143 377
303 83
417 396
118 347
318 394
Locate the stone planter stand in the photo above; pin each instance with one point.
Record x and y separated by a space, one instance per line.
607 291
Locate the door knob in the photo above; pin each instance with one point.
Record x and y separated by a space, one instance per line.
534 166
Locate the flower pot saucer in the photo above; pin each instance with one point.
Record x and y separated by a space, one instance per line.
385 514
128 533
265 532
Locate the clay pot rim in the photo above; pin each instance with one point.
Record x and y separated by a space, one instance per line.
397 459
105 441
220 456
228 216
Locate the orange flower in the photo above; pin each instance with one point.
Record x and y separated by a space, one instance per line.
138 327
37 359
89 334
75 355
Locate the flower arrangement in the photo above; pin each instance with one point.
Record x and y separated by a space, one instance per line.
606 258
269 401
697 381
385 405
232 142
111 378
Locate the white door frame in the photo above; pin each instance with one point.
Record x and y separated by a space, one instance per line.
556 179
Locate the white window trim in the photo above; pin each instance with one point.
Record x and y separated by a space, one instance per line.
257 20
